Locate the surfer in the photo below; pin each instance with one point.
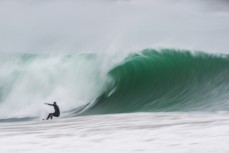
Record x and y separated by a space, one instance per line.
57 110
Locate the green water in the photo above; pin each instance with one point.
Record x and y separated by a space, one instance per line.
168 80
145 81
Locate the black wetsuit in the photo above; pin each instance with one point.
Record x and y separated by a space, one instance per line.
57 110
56 113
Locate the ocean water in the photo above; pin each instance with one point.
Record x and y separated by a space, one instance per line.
152 101
128 76
138 132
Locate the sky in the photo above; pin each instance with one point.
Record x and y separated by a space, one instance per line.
53 26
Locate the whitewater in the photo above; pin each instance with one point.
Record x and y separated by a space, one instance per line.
128 76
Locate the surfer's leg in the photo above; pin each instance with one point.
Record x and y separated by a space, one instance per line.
56 115
49 116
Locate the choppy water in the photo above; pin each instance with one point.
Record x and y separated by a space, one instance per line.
147 81
139 132
128 76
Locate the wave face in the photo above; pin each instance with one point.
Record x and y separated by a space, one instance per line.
168 80
147 81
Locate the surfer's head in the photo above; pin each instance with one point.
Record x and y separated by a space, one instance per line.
54 103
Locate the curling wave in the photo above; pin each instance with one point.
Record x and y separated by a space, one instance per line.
167 80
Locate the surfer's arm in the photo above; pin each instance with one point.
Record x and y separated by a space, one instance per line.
49 104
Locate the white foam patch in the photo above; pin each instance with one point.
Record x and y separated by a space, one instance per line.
70 80
155 132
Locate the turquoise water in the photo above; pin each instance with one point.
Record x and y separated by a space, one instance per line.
169 80
150 80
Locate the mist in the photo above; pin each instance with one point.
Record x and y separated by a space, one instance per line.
59 26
